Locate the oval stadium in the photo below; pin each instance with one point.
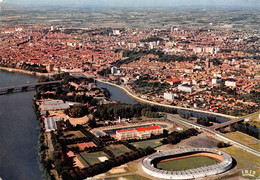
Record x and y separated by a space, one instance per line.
186 163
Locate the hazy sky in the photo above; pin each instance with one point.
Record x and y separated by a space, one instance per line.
138 3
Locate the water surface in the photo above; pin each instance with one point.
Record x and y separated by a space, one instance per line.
19 131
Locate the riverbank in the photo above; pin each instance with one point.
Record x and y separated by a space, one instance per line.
24 71
164 105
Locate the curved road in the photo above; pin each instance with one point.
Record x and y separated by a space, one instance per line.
172 118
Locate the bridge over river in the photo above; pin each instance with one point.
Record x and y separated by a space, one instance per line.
233 121
25 87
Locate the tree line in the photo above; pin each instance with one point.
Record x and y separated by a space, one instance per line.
246 128
113 111
175 136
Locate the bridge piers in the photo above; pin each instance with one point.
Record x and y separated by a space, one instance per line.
25 87
11 90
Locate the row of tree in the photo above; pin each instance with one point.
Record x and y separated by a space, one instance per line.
222 144
46 164
113 111
246 128
34 68
94 139
75 140
175 137
204 121
77 110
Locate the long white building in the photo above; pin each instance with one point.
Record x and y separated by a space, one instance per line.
139 133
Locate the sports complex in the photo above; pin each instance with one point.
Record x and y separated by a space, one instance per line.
209 162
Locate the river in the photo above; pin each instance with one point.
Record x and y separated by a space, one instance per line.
117 95
19 131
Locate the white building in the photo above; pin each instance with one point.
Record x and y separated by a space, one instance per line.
132 45
52 105
139 133
126 134
216 80
116 32
50 123
230 83
113 70
185 88
168 96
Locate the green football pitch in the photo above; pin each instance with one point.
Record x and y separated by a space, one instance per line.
186 163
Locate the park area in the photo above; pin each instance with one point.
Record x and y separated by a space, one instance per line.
152 143
117 150
244 138
88 159
186 163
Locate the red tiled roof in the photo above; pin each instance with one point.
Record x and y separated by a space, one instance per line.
125 130
70 154
174 80
149 128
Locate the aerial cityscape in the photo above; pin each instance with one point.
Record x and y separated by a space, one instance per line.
132 90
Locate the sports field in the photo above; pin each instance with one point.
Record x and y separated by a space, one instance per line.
82 160
92 158
186 163
143 144
73 134
118 149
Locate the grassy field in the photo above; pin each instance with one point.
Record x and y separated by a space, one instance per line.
118 149
241 157
143 144
244 139
73 134
92 158
186 163
256 146
239 137
82 160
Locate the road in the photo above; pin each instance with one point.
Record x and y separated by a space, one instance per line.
218 135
